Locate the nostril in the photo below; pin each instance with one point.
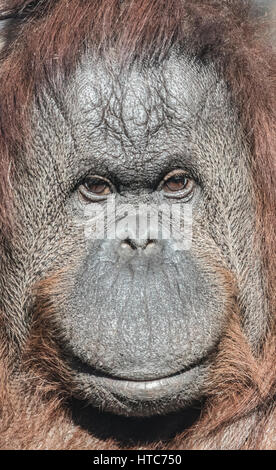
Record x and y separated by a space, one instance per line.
128 243
150 244
136 244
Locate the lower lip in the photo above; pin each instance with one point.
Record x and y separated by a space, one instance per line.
148 390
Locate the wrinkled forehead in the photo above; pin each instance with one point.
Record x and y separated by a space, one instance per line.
176 77
142 99
141 118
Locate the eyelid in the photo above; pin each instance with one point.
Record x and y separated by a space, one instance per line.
94 197
97 179
175 173
171 174
182 193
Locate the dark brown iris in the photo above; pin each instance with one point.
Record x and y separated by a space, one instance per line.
99 187
178 184
95 187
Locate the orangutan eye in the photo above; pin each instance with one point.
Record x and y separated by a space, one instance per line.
178 184
95 188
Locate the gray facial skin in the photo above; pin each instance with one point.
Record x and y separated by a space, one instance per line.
140 322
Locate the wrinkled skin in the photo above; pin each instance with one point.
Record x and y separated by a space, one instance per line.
139 320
